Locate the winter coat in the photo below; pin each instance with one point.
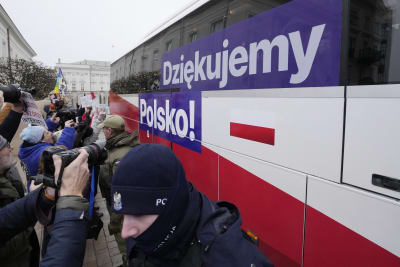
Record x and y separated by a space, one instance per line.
217 240
68 237
17 250
22 247
17 216
8 128
117 146
31 155
10 125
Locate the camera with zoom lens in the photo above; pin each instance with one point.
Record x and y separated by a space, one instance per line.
12 92
97 155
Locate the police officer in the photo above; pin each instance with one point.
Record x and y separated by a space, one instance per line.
167 222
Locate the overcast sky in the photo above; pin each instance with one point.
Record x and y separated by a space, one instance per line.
75 30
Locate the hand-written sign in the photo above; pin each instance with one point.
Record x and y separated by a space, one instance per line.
32 113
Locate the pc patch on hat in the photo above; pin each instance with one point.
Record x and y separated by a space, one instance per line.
114 122
149 180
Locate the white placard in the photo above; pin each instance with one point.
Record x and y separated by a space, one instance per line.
86 101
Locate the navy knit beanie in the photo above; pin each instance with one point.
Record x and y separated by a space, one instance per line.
149 180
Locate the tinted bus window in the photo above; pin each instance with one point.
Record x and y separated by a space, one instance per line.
217 15
374 41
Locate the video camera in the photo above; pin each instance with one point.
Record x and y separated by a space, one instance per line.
12 92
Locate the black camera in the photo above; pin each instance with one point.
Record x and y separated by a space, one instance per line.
97 155
12 92
65 115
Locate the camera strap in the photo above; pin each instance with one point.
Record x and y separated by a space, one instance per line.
58 186
91 199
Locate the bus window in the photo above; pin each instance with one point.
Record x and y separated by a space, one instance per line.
373 42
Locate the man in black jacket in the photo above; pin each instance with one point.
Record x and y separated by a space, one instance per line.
23 249
69 230
167 222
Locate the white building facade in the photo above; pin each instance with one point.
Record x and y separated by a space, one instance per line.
12 43
85 77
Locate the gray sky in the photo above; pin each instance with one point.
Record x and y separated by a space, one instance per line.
74 30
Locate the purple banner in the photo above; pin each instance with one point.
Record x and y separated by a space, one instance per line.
294 45
175 117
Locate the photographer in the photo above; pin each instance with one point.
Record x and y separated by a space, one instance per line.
68 236
23 249
36 139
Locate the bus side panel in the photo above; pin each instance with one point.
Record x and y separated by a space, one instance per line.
372 144
349 227
200 168
299 129
275 216
127 108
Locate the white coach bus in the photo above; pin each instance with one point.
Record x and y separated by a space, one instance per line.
290 109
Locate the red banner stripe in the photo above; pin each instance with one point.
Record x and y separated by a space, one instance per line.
253 133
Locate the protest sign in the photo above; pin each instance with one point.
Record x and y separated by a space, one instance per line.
86 101
32 113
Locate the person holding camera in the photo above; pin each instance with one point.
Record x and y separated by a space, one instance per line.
68 236
118 143
36 139
167 222
23 249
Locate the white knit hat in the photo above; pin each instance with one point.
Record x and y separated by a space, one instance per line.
32 134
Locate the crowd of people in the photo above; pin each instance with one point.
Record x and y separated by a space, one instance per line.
156 215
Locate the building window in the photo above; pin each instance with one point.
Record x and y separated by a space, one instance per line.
73 86
143 64
168 45
82 87
133 66
193 37
155 60
216 26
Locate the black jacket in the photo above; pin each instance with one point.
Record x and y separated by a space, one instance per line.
216 241
10 125
68 236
